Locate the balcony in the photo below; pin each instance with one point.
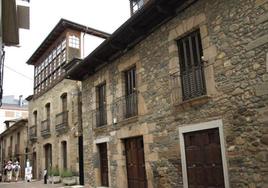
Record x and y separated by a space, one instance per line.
188 96
62 121
99 117
45 128
33 132
126 107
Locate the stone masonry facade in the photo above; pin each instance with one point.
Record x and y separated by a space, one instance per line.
55 138
234 37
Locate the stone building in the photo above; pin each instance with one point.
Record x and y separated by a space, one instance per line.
55 132
13 143
178 97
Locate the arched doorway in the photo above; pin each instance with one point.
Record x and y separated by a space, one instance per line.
48 155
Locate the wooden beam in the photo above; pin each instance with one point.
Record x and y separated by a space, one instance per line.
117 45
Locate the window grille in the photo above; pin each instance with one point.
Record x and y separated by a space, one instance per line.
191 66
136 5
74 41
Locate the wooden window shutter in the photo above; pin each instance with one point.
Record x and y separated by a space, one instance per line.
191 66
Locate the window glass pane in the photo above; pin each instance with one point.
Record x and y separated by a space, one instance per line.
54 53
58 49
73 41
136 5
50 57
63 44
63 56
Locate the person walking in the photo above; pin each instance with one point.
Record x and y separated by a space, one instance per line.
9 168
45 176
16 168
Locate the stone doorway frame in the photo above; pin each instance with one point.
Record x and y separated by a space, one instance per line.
97 171
198 127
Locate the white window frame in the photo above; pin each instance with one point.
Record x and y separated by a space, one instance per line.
198 127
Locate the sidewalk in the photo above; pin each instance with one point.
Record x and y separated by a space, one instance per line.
34 184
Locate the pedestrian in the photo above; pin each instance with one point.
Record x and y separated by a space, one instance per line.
9 171
16 168
45 176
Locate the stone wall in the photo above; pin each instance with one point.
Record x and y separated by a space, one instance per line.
234 39
53 96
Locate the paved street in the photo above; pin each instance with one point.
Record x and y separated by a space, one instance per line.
35 184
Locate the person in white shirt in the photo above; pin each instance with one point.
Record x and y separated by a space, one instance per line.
9 168
16 169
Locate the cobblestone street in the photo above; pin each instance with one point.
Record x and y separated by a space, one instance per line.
35 184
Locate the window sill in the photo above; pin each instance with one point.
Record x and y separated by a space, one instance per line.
195 102
100 127
128 120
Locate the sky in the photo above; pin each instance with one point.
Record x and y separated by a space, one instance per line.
105 15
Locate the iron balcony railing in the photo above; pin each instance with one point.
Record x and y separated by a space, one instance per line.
99 117
33 132
126 107
45 127
62 121
191 84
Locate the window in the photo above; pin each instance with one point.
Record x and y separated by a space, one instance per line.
101 105
191 66
44 72
48 111
74 41
64 102
131 95
35 117
136 5
104 164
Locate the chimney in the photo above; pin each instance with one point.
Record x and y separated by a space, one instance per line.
20 100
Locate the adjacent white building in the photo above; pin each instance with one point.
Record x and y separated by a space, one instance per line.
12 108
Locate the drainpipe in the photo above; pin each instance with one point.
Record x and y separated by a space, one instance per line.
20 100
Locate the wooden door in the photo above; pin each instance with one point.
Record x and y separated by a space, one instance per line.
135 163
104 165
203 159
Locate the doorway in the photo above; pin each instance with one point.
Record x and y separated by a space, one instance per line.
203 155
135 164
48 156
